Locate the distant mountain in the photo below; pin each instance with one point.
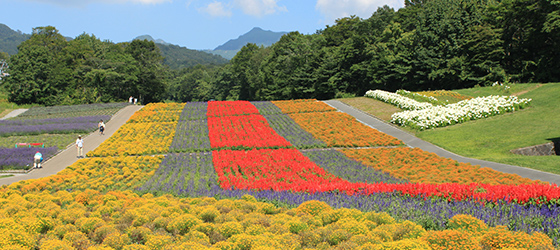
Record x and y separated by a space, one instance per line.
10 39
257 36
150 38
177 57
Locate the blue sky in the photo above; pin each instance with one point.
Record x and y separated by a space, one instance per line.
195 24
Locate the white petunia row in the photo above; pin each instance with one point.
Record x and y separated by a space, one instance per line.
476 108
398 100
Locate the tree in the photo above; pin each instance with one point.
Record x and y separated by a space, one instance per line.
33 70
149 86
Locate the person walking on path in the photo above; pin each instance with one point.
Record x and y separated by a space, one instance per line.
101 127
80 146
37 159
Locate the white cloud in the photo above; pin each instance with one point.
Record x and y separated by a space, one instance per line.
217 9
334 9
259 8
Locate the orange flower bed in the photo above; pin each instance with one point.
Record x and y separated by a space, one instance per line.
302 106
420 166
339 129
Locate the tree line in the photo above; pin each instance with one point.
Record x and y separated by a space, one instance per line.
428 44
50 70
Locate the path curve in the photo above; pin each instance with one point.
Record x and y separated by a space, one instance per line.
14 113
68 156
416 142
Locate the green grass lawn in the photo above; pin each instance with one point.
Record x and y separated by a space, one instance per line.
492 138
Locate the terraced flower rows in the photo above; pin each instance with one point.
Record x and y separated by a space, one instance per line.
303 171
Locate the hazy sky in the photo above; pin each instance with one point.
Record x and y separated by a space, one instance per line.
195 24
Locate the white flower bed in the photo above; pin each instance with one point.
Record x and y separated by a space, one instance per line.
398 100
476 108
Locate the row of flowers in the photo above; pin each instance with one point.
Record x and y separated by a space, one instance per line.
95 109
289 169
398 100
69 125
339 129
243 131
419 166
155 116
302 106
123 220
230 108
472 109
138 139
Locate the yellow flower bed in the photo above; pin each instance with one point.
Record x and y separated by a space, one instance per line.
158 112
125 220
100 174
138 139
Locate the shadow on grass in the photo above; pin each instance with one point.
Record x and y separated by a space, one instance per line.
556 142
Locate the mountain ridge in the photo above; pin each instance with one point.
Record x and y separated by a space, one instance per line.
256 35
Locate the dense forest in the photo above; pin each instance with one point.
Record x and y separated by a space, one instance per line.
428 44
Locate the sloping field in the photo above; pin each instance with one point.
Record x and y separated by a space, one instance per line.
271 175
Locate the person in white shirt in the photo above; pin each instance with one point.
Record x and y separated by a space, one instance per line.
101 126
80 146
37 159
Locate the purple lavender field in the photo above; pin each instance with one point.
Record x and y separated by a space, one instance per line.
22 158
83 124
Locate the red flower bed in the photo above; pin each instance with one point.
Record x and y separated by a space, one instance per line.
288 169
279 169
230 108
243 131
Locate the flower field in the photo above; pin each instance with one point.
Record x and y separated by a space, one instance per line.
176 185
55 127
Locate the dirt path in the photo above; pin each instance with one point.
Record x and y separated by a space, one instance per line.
68 156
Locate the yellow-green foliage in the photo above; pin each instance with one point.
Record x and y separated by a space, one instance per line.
80 220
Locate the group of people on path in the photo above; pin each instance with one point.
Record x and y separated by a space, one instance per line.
132 100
